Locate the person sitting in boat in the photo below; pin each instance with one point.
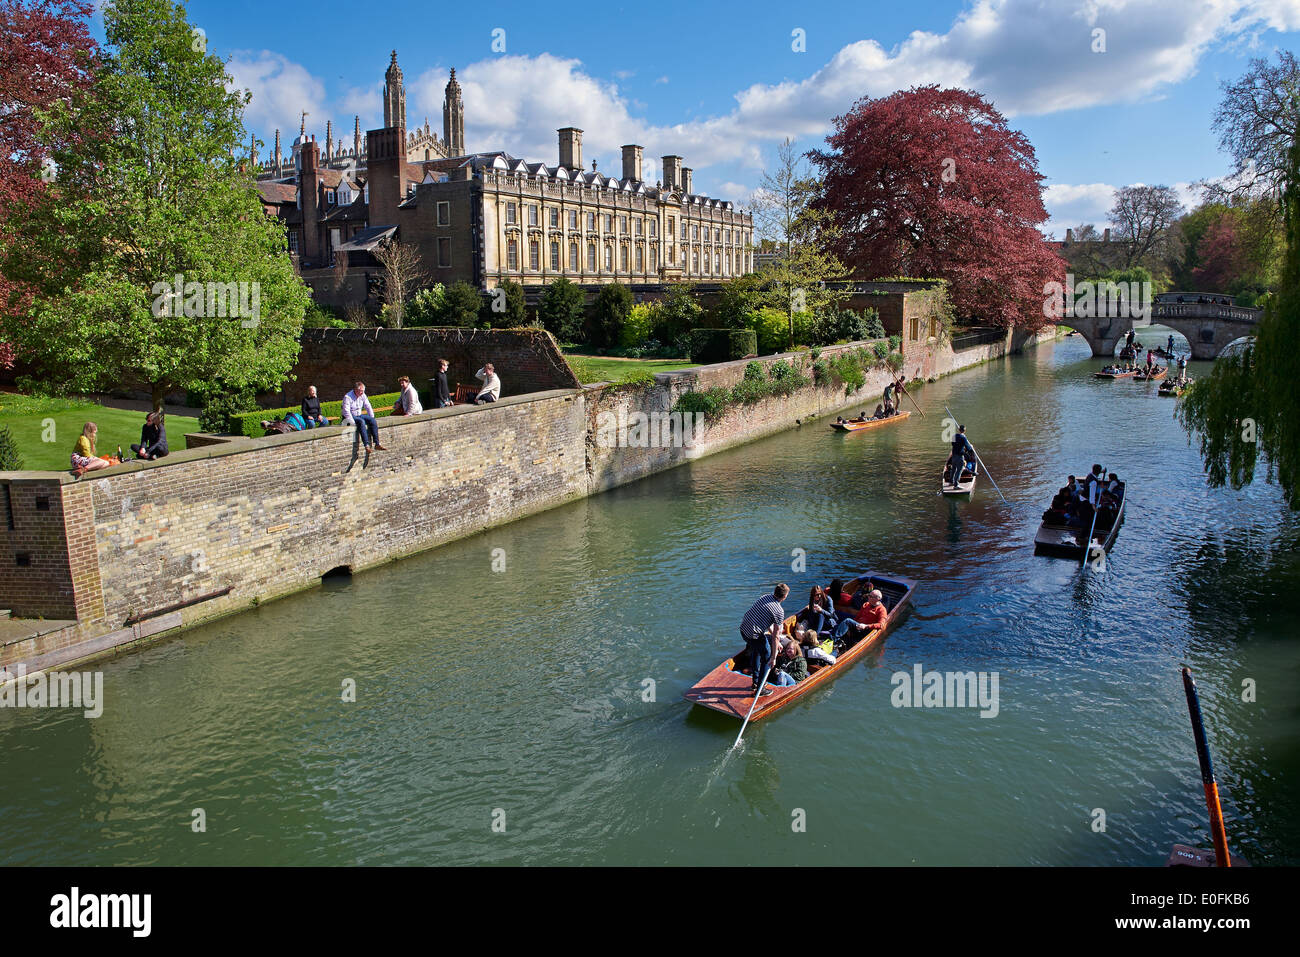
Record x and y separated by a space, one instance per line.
819 613
817 649
880 411
792 666
870 616
890 409
761 638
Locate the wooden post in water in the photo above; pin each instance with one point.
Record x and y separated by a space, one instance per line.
1221 856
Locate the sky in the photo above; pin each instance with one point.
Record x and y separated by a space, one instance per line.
1109 92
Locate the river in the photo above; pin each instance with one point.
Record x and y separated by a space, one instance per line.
500 716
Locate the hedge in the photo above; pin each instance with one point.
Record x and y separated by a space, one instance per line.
721 345
250 423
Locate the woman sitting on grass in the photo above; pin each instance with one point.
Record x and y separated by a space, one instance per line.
84 458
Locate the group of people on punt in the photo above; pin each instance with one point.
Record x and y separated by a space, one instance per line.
963 457
1098 493
821 632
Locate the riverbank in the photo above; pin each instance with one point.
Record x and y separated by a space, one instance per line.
135 552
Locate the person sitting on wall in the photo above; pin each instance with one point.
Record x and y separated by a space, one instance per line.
84 458
491 390
311 412
359 413
153 437
441 394
408 403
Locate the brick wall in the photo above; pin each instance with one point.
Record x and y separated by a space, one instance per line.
333 359
36 550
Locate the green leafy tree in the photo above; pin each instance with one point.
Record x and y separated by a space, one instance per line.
610 311
561 310
426 308
150 231
1245 409
462 305
512 310
738 299
786 210
679 313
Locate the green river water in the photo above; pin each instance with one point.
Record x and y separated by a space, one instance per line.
516 697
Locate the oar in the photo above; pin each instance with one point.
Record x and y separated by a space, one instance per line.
1221 856
759 694
1087 548
983 467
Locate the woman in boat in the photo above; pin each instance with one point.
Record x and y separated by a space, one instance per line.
837 593
819 613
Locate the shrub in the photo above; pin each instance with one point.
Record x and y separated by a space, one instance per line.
875 329
754 372
462 304
895 361
609 313
11 459
427 306
679 313
894 343
847 368
772 329
639 324
710 404
321 317
505 310
219 405
721 345
581 368
735 303
821 371
560 310
880 350
249 423
635 380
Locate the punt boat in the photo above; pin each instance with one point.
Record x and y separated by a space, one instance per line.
964 486
727 689
1114 375
857 425
1063 541
1158 374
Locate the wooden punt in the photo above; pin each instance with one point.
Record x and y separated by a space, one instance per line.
855 425
1155 376
1114 375
1174 387
963 488
726 689
1061 541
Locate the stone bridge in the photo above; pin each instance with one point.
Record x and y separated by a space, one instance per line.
1208 326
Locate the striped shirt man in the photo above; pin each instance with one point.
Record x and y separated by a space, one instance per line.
762 615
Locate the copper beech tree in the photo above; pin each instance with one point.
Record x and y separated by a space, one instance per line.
46 53
932 183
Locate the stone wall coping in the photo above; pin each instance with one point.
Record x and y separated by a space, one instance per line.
240 444
679 374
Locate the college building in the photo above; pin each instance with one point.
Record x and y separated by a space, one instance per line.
488 217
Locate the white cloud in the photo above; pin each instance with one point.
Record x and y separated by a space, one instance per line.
281 90
1069 205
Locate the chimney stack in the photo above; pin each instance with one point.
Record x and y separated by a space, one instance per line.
672 172
686 180
309 199
632 162
570 147
386 164
1105 236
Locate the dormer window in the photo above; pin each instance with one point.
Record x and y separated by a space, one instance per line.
331 196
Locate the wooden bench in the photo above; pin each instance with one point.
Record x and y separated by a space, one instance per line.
465 393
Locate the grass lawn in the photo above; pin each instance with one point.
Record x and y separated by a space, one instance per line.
26 418
606 368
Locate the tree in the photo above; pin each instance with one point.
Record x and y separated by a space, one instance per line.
561 308
403 273
508 310
785 210
462 304
1246 408
153 234
1141 218
1256 122
679 313
932 183
428 306
610 311
46 54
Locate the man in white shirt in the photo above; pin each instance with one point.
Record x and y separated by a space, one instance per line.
491 390
408 403
358 413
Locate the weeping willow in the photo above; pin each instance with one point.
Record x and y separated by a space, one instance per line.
1247 411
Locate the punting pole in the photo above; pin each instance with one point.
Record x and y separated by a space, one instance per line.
914 402
1087 546
761 686
983 467
1221 856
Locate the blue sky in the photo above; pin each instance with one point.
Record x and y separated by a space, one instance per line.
721 85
